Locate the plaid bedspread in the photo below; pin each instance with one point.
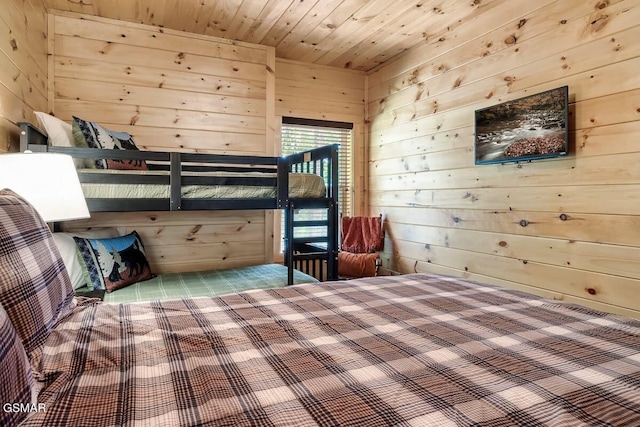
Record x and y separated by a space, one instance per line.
206 283
414 350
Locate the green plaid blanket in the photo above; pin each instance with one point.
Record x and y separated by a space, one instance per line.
206 283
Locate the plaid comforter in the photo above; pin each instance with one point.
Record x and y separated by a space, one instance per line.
414 350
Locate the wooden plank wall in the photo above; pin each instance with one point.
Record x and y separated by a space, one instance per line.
189 241
567 229
326 93
23 66
172 91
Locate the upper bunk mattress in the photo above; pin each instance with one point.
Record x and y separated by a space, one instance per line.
301 185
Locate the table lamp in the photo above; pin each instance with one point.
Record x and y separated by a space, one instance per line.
48 181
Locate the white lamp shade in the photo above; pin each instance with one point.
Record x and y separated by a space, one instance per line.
48 181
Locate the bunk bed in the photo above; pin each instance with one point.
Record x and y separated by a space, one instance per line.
178 181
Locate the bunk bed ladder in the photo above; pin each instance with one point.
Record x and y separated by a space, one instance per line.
316 256
311 255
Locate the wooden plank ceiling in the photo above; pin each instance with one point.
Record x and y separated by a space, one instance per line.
356 34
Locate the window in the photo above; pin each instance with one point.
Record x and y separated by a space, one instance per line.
302 134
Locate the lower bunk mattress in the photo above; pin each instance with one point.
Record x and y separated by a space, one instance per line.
204 283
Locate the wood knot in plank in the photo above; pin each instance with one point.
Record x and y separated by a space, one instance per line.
598 23
471 196
179 58
512 39
194 230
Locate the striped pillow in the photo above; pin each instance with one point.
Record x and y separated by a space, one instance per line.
16 377
35 289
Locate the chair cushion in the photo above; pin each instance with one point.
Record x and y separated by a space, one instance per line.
357 265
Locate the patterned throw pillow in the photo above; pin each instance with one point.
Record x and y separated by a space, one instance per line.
35 289
114 263
95 136
69 250
16 377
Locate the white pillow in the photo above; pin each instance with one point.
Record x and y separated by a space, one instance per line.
67 247
59 132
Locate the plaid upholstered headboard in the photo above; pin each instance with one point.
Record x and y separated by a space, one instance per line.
16 384
35 291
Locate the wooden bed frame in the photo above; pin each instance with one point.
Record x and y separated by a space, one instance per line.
306 254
